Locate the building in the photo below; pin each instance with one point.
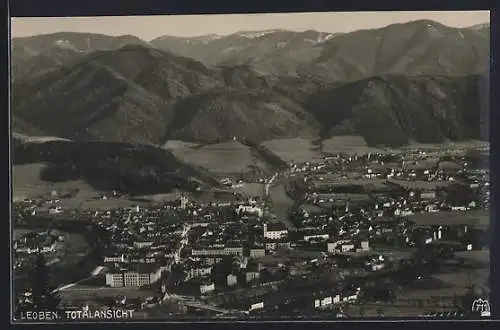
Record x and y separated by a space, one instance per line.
143 244
55 210
278 245
225 251
319 236
365 246
256 306
275 231
252 276
232 280
49 247
138 276
428 195
333 247
233 250
207 288
115 258
183 202
250 209
197 271
114 280
257 252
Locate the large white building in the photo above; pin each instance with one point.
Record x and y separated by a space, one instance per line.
141 276
275 231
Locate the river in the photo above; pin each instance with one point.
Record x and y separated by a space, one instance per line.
281 203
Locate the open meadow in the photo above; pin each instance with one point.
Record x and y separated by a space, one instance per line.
296 150
226 157
476 218
349 144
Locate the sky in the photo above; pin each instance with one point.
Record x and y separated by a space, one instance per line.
150 27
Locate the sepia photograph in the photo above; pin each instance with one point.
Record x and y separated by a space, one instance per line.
262 167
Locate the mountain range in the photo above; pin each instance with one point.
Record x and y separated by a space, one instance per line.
420 81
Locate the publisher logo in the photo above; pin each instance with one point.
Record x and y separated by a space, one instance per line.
481 306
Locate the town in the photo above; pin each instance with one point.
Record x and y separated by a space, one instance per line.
372 235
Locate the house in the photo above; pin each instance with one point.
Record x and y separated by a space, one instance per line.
278 245
275 231
115 258
207 287
365 246
232 280
428 194
347 247
251 276
233 250
317 236
256 306
257 252
55 210
250 209
142 244
197 271
327 301
251 305
49 247
332 247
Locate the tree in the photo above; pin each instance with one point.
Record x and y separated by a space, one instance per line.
43 298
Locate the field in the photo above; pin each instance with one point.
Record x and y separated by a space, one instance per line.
350 144
368 184
341 196
251 189
419 184
463 279
227 157
477 218
175 144
297 150
449 145
477 256
160 198
26 183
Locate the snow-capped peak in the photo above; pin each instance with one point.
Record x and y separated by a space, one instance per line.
210 37
202 39
255 34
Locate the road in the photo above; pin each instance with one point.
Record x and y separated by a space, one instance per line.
96 272
184 242
67 286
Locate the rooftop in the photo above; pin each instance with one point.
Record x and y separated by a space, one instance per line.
276 226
